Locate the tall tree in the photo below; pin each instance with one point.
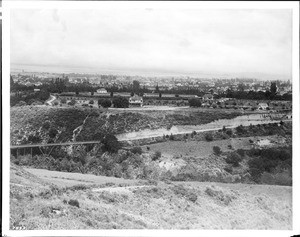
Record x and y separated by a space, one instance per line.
273 88
241 87
157 89
136 86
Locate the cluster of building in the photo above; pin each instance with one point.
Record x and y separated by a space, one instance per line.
120 82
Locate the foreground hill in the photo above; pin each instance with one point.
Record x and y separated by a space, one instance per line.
36 203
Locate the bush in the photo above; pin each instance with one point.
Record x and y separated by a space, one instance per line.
241 129
209 137
241 152
171 137
120 102
46 125
72 102
136 150
217 150
52 132
21 103
229 132
228 169
156 155
110 144
104 103
195 102
91 102
234 159
74 203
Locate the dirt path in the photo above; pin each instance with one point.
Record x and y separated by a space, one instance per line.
68 179
52 98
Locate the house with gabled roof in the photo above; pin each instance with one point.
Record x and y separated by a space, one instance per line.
136 101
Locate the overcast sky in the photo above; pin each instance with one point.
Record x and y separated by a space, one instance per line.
214 42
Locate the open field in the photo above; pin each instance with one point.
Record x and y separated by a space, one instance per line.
204 148
172 205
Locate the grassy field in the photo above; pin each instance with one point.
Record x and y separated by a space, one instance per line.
204 148
39 204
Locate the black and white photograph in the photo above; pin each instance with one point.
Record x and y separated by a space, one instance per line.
150 116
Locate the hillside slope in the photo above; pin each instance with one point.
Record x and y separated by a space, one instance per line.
36 124
143 204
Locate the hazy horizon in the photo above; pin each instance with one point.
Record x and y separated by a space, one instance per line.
185 42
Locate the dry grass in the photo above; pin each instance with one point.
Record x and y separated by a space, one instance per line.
187 205
204 148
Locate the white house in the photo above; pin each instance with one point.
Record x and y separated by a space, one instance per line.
102 91
136 101
208 97
263 106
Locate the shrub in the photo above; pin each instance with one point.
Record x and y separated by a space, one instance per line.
136 150
171 137
91 102
195 102
21 103
56 103
241 129
46 125
241 152
156 155
217 150
104 103
72 102
234 159
228 169
209 137
52 132
121 102
74 203
110 143
229 132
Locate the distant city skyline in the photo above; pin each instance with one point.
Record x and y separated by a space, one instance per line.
209 43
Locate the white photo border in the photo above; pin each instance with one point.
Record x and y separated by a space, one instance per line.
8 5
